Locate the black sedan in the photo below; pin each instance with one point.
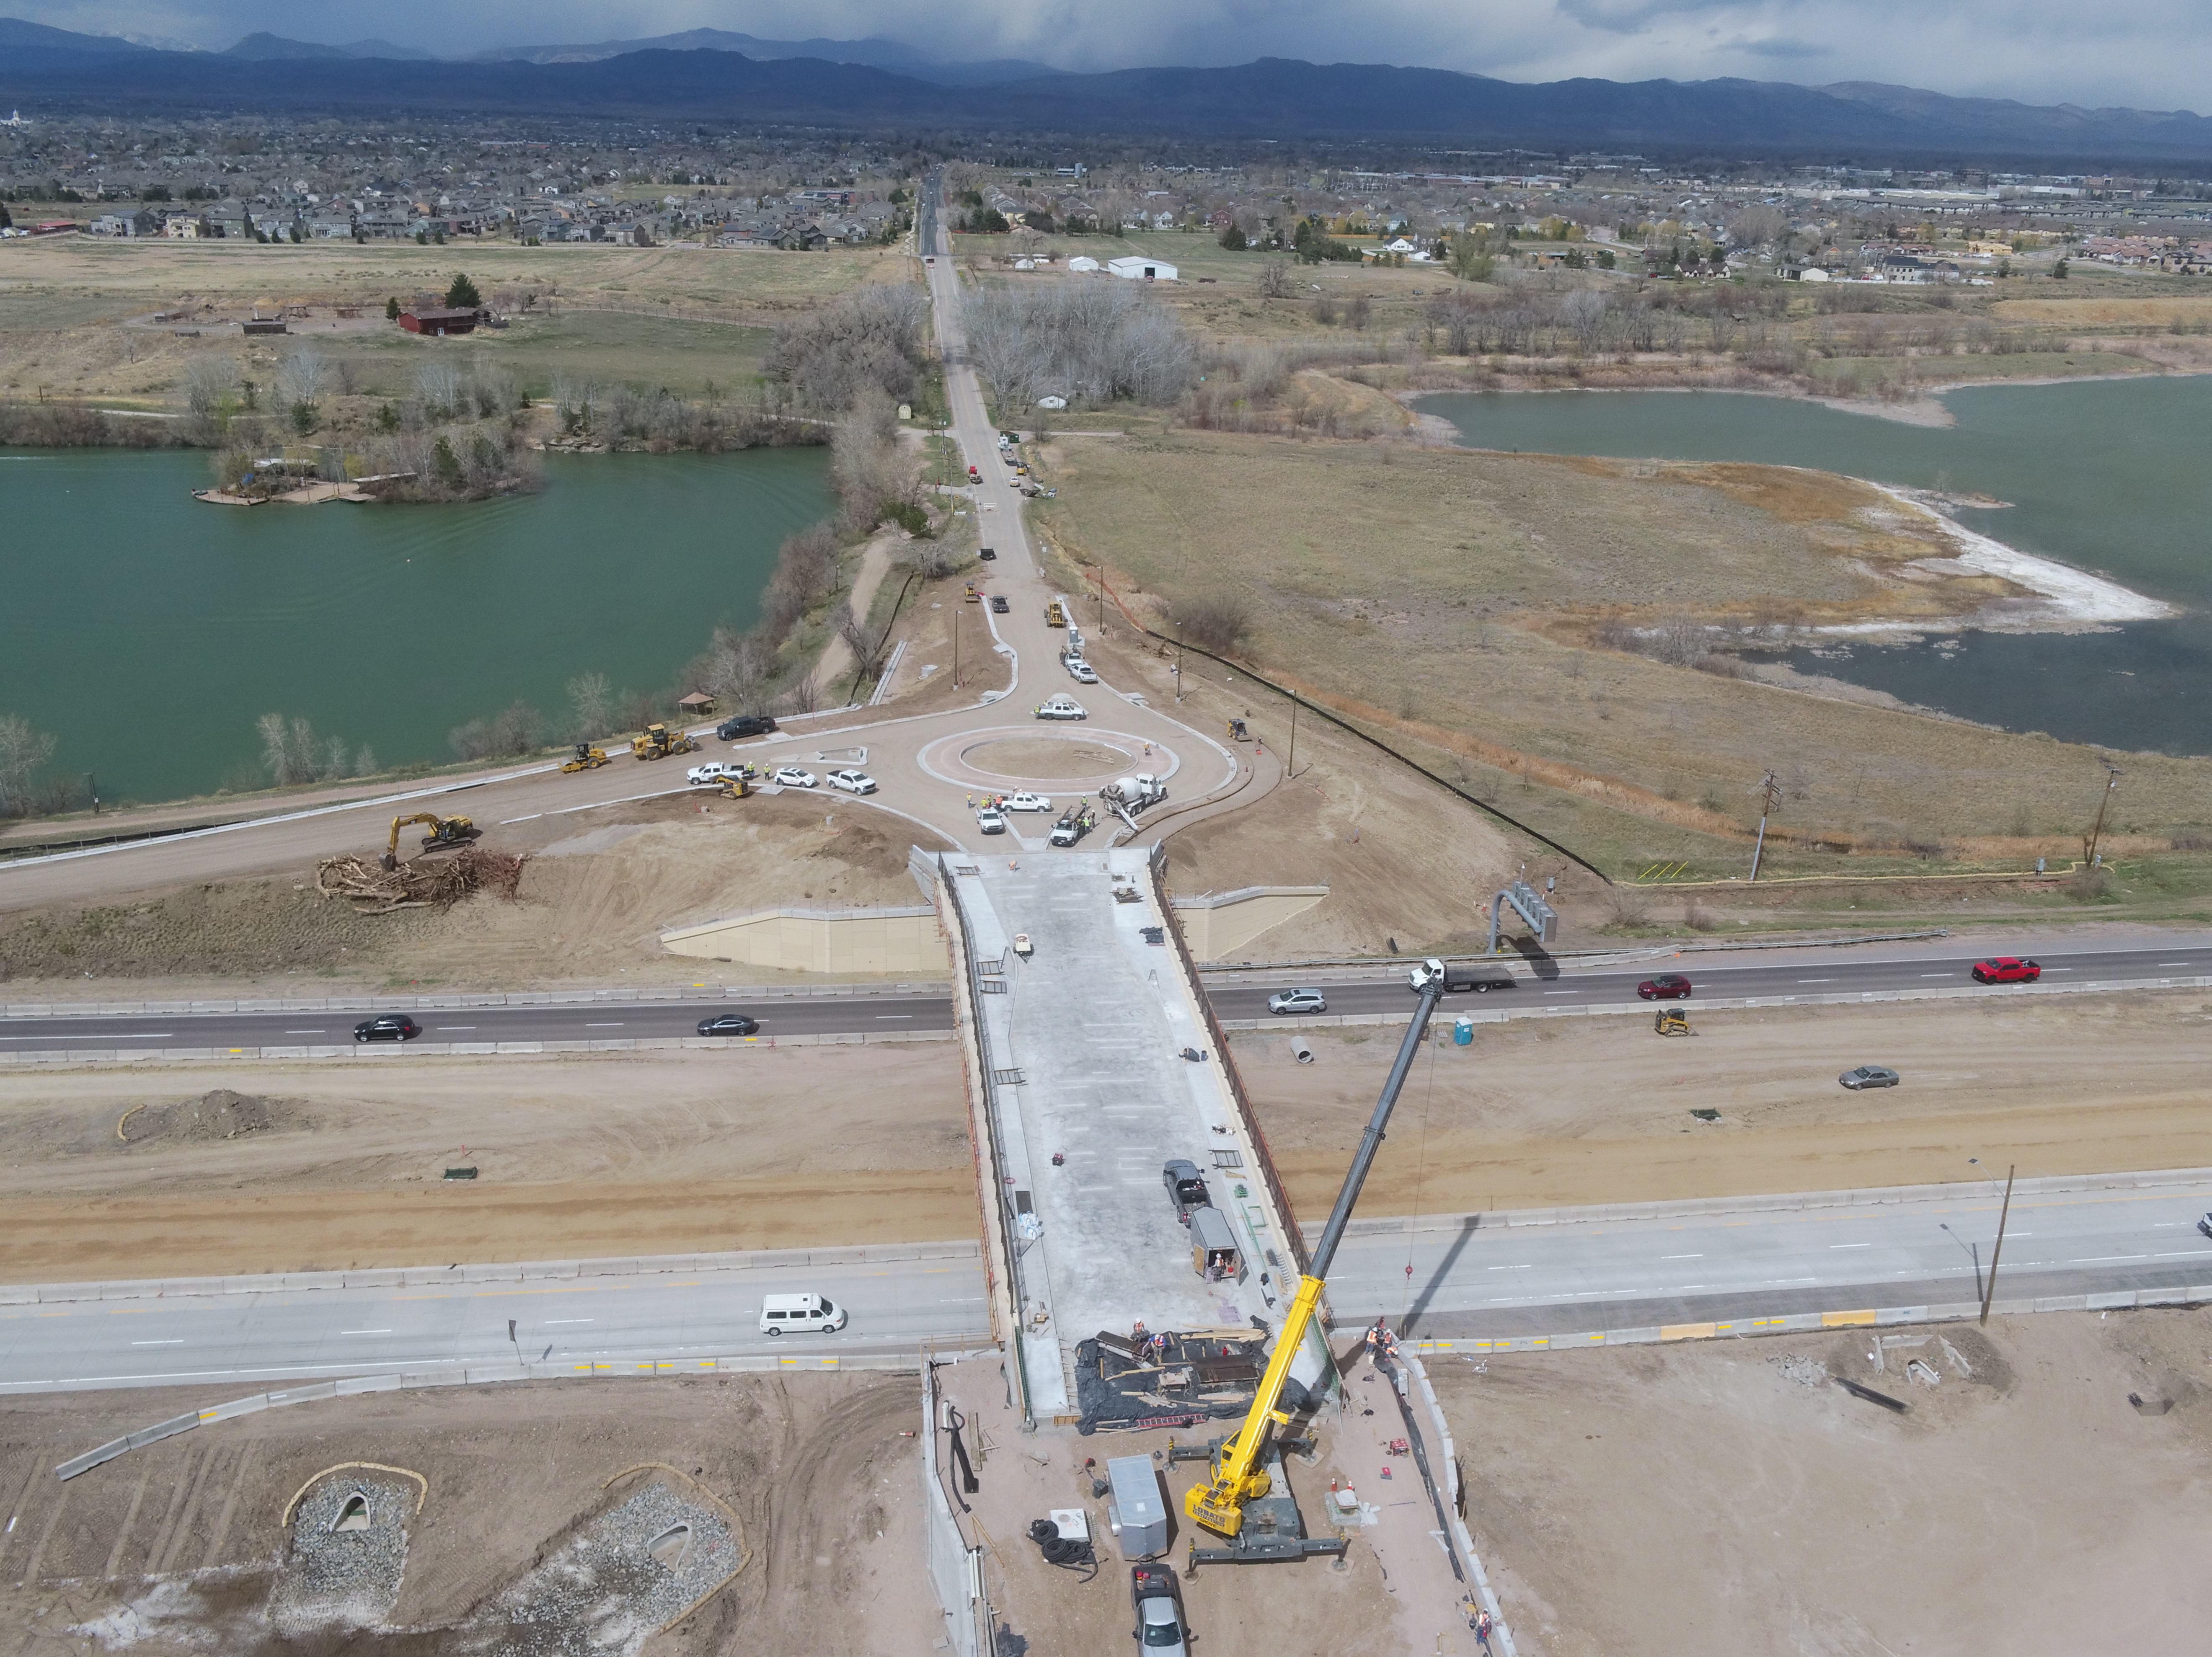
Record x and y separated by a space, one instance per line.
387 1027
729 1024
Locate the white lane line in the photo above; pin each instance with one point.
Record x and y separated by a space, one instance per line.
2173 963
316 1032
532 818
456 1027
1939 974
178 1341
2102 1259
883 1015
1562 991
2058 970
615 1026
364 1331
2179 1254
572 1319
1816 980
1850 1245
1682 1256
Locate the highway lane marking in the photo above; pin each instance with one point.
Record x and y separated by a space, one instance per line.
364 1331
2179 1254
2162 963
2102 1259
1850 1245
615 1026
551 1321
178 1341
893 1015
1682 1256
1816 980
305 1032
456 1027
1562 991
1939 974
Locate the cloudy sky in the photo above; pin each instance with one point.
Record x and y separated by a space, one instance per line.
2147 53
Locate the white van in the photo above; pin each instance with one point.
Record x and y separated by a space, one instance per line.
799 1313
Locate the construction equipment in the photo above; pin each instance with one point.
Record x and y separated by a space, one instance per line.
975 594
588 758
1055 614
1239 732
658 743
1241 1503
444 831
1672 1020
736 787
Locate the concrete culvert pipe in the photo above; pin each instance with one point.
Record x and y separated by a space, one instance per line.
1300 1050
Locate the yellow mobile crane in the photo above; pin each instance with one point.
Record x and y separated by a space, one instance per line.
1242 1502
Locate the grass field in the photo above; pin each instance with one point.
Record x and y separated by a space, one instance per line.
1445 598
650 316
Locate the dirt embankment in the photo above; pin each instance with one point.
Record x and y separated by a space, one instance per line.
1723 1498
597 891
1538 1113
180 1547
110 1173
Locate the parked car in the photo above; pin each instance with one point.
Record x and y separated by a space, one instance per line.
1160 1611
1868 1076
1667 987
743 725
990 821
1062 707
1081 672
729 1024
1289 1001
852 782
714 771
1023 800
802 1314
793 776
387 1027
999 603
2006 970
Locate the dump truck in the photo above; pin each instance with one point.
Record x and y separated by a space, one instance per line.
444 831
658 743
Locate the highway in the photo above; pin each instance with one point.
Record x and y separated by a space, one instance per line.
1476 1280
1548 985
279 1335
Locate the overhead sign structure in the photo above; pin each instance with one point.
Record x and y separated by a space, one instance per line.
1528 903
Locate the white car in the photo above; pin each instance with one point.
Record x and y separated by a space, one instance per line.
712 771
792 776
990 822
852 782
1081 672
1025 801
1062 707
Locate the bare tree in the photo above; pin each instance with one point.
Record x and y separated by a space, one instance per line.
302 377
438 384
868 651
289 748
592 701
876 335
1084 341
1216 621
872 473
24 751
1274 279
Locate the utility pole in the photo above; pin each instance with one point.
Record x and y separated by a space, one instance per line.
1291 770
2097 833
2004 1214
955 650
1770 797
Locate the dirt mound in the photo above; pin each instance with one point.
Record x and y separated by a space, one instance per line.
218 1114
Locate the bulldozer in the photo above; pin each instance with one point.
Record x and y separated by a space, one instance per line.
1671 1020
658 743
444 831
588 758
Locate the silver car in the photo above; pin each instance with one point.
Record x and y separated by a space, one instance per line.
1869 1076
1289 1001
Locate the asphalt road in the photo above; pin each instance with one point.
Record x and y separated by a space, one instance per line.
272 1340
1572 1278
578 1021
1810 973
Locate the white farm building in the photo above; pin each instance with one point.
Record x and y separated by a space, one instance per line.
1141 269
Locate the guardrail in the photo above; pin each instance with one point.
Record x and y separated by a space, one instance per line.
465 1002
393 1051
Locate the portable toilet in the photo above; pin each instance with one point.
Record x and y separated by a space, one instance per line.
1463 1031
1137 1512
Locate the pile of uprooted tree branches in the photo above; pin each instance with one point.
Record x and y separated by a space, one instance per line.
428 883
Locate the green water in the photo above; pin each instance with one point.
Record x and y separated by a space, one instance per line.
2114 476
149 631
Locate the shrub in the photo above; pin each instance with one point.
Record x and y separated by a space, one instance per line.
1217 622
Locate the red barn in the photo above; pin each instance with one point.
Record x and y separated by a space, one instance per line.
439 320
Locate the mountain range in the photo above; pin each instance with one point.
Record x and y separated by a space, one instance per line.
709 75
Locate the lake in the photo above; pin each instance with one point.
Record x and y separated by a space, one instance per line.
149 631
2114 476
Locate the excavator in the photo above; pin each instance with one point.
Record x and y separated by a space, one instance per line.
658 743
588 758
1248 1499
444 831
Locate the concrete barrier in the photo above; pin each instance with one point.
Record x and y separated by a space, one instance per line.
456 1003
393 1052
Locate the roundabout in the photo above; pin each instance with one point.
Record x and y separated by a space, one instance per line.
997 760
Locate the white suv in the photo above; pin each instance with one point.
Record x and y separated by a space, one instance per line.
792 776
852 782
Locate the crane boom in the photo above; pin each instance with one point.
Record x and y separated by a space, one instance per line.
1239 1466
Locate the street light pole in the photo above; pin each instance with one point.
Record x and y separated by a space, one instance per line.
2096 833
1292 768
1769 796
2004 1214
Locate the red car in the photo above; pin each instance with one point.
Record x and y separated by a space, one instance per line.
2006 970
1667 987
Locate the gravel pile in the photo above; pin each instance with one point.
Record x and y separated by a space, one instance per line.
605 1591
350 1577
1805 1371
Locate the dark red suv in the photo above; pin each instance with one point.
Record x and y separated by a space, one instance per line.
2006 970
1667 987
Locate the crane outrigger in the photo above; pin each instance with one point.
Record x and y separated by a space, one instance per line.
1247 1502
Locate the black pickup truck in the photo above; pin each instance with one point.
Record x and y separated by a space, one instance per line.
1185 1188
